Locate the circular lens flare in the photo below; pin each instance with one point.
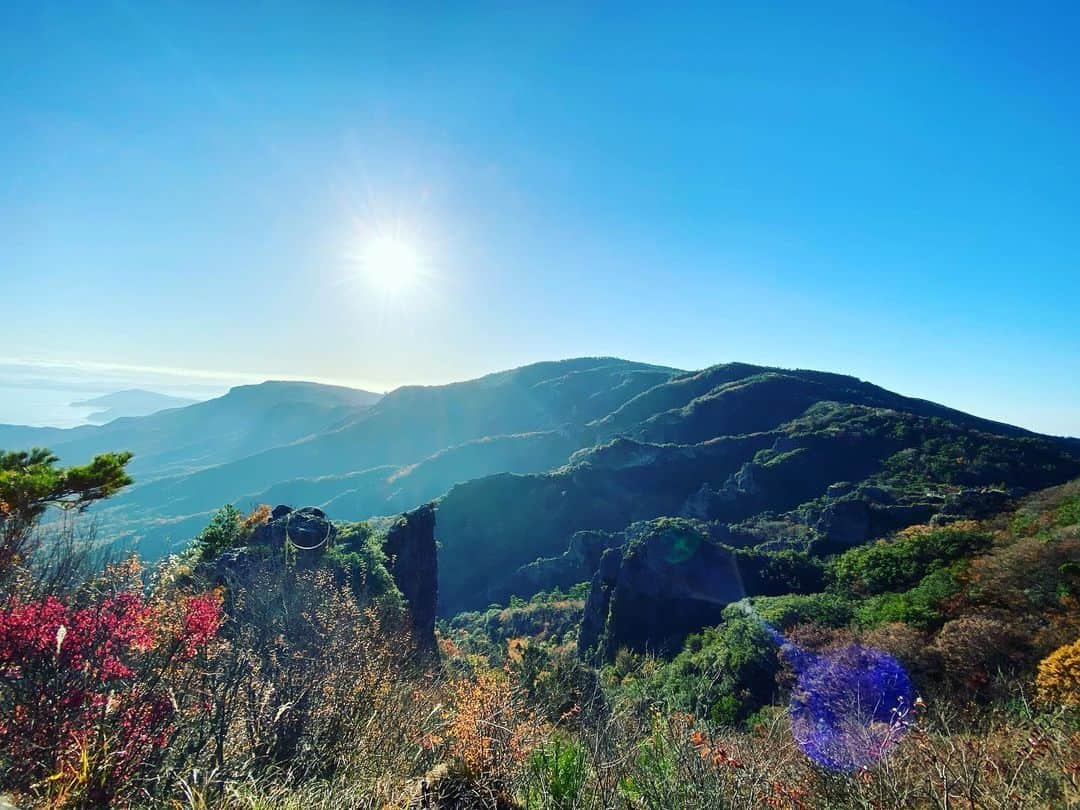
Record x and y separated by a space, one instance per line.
850 706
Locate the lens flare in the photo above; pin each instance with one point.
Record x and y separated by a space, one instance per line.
849 707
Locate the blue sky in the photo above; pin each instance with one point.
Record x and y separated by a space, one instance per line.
886 189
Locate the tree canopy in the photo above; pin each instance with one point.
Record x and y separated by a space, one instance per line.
31 481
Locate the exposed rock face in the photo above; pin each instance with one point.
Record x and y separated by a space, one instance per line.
598 605
872 511
232 567
413 563
845 523
854 515
306 534
309 535
577 564
672 577
838 460
665 584
976 504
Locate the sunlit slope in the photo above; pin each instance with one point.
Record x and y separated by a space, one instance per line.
540 411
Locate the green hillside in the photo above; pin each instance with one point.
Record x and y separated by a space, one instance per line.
815 463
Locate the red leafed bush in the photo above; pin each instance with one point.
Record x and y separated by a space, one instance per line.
97 640
88 684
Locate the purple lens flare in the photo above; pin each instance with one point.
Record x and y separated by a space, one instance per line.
849 707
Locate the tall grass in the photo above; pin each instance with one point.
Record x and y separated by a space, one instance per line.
297 692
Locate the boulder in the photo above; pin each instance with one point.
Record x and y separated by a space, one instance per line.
307 532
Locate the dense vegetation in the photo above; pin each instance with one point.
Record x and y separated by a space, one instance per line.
248 672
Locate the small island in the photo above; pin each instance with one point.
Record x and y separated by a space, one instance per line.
131 402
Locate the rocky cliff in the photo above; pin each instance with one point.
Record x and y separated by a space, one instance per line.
670 581
302 538
413 563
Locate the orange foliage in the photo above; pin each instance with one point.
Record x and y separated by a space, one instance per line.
515 647
490 735
257 517
447 648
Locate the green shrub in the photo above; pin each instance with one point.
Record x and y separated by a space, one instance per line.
899 563
359 555
557 774
722 674
919 607
654 778
223 532
826 609
1068 513
772 573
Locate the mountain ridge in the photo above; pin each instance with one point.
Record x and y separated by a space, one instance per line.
521 461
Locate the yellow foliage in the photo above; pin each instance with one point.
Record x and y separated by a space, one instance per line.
1058 678
922 529
515 647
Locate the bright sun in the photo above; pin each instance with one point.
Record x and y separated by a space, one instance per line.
391 264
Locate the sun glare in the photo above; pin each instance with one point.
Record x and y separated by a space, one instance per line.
391 264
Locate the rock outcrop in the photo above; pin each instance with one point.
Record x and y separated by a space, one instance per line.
413 563
808 460
303 534
976 504
668 582
577 564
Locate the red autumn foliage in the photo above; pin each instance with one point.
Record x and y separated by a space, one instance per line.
84 684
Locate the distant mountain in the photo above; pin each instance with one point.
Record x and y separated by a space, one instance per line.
246 420
425 439
131 402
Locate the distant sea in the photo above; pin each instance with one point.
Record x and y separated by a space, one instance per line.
40 394
45 407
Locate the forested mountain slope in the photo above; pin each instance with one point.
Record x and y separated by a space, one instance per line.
525 460
426 437
767 458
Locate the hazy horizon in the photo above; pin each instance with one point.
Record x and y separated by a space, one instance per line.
43 395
